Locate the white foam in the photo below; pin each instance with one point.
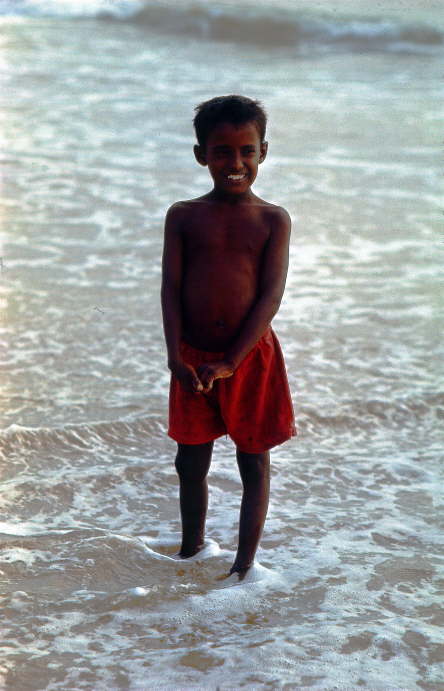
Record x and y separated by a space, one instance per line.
255 574
210 549
138 591
28 557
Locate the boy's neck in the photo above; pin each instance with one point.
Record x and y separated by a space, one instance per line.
224 197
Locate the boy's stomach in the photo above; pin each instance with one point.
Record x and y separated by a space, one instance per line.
214 309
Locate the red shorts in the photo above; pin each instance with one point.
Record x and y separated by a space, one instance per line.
253 406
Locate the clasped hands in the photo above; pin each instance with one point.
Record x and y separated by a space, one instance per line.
200 380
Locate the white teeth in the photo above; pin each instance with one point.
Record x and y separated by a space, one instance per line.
236 177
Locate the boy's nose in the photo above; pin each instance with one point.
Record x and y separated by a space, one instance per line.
236 161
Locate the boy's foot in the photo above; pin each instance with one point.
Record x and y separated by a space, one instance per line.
208 549
241 572
189 553
234 571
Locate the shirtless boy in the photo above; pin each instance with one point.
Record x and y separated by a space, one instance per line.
224 269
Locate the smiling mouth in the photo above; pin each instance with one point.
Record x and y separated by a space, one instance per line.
236 178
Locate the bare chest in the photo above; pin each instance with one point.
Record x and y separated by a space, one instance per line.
235 238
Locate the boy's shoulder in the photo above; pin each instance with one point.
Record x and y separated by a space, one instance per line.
178 210
275 216
276 211
180 206
183 208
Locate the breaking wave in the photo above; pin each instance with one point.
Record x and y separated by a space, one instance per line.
263 27
365 415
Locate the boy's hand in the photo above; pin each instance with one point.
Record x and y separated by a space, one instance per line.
210 371
187 376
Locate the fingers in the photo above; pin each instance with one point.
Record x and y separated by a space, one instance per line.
206 376
190 379
207 381
211 371
197 386
208 385
196 382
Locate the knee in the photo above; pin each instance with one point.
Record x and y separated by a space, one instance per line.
190 467
253 467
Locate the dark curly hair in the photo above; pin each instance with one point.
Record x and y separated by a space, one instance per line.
237 110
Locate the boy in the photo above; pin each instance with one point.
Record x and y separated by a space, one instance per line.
224 269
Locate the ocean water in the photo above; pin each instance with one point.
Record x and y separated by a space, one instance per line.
97 100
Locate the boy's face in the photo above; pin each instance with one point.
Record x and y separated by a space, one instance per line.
232 154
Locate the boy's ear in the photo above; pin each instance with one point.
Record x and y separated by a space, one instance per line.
264 149
199 153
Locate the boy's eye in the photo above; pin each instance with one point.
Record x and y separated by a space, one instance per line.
221 152
225 151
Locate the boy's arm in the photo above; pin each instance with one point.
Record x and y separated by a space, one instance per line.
272 283
171 298
171 282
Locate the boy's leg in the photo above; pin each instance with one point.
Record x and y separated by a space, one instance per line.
254 470
192 465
